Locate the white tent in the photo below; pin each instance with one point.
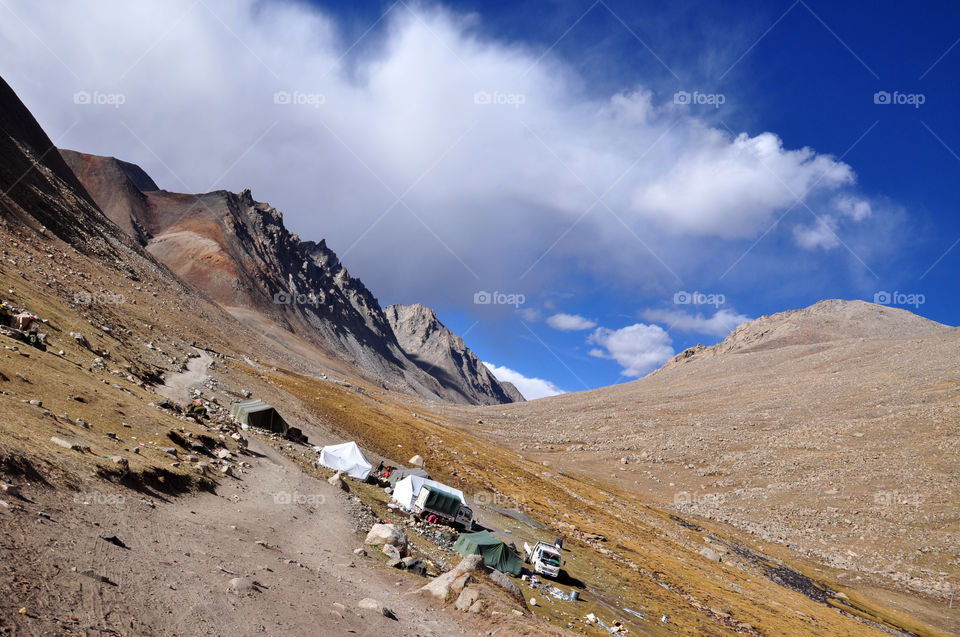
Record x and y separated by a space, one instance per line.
408 489
347 458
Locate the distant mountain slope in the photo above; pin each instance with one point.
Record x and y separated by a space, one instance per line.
240 253
117 187
443 355
827 321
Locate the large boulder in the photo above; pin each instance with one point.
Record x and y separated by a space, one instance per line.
453 582
503 581
381 534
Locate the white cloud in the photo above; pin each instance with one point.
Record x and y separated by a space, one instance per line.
853 207
531 388
570 322
729 188
530 314
398 116
822 233
638 348
720 324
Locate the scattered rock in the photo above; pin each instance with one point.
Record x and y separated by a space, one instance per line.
241 586
414 565
416 461
113 539
381 534
468 597
338 481
371 604
710 554
68 445
391 551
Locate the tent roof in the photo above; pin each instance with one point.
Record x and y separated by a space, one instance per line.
249 406
482 538
495 552
399 474
346 457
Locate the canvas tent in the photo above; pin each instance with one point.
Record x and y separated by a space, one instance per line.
495 553
400 473
257 413
347 458
408 488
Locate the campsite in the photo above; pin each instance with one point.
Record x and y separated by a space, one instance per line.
434 547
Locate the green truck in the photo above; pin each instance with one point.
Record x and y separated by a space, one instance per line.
437 506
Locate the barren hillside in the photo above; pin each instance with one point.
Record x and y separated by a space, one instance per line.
832 430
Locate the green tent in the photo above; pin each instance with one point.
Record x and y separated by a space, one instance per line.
495 553
257 413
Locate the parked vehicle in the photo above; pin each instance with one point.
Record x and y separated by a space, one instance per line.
438 506
545 558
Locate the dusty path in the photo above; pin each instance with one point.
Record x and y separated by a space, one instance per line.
290 533
179 387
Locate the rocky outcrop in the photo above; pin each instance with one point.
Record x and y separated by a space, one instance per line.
445 356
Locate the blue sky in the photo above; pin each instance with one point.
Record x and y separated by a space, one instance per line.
599 161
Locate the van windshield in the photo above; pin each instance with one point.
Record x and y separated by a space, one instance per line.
550 558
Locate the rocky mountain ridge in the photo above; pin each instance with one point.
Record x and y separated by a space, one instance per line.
239 252
444 355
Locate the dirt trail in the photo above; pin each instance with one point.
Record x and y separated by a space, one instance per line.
283 529
179 387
